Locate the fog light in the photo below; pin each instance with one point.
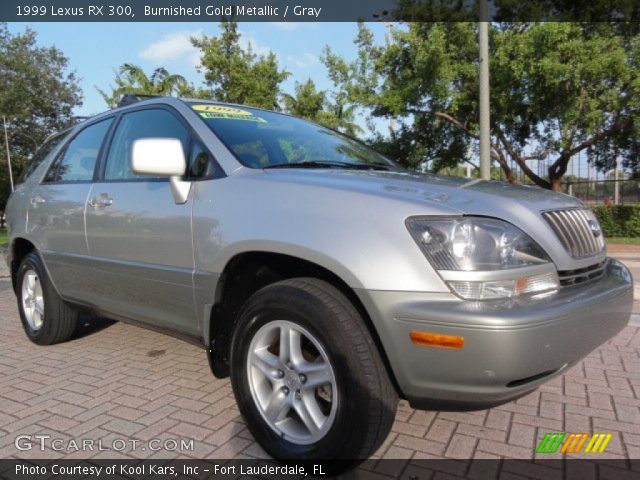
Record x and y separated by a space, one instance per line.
497 289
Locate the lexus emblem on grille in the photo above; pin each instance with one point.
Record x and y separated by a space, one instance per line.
595 228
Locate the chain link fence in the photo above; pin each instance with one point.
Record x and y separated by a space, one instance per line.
603 192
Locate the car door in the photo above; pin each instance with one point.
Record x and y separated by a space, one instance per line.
57 206
139 239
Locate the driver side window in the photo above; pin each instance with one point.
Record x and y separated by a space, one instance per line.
151 123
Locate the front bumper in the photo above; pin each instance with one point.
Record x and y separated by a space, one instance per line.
511 346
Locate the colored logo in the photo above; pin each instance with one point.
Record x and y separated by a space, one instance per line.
595 228
561 442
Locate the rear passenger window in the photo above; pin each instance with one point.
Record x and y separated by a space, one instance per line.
78 159
152 123
41 154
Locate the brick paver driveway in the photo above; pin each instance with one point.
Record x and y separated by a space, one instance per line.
121 382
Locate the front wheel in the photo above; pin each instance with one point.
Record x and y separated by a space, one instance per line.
307 376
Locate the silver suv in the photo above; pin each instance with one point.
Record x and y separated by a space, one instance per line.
324 279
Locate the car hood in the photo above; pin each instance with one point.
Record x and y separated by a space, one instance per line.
462 195
425 194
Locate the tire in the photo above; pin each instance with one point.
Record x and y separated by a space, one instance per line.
46 318
355 414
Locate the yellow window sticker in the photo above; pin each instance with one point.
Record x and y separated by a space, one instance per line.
227 113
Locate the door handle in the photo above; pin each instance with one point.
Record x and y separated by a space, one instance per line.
100 201
37 201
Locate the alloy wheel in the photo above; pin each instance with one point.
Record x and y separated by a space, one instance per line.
32 300
292 382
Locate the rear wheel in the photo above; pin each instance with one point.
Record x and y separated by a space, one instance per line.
46 318
307 376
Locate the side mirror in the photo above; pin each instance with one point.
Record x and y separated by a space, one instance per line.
162 157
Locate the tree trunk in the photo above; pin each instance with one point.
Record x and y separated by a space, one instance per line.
508 172
556 184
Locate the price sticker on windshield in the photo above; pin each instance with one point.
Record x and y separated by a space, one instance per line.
222 112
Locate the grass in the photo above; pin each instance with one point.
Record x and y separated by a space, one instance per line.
624 240
3 239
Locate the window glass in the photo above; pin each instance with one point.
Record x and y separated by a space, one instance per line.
152 123
43 152
201 163
78 160
252 153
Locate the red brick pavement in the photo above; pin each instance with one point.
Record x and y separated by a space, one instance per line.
123 382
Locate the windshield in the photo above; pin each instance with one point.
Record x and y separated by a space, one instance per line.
261 139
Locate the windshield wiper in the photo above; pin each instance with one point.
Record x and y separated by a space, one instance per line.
329 164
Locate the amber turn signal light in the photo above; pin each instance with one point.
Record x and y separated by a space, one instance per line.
427 339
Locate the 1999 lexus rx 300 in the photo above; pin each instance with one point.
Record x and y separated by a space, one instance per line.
324 279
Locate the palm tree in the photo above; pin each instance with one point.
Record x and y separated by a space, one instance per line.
131 78
313 105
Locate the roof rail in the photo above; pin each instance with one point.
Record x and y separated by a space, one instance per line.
131 98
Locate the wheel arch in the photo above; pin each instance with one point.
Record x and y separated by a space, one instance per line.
20 248
247 272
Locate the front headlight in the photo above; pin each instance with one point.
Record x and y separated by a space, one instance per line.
501 259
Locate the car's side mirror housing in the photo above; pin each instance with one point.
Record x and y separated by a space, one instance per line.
158 157
162 157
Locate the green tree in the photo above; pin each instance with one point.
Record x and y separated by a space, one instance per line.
307 103
237 74
312 104
37 97
132 79
556 89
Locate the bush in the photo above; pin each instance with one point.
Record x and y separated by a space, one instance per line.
619 220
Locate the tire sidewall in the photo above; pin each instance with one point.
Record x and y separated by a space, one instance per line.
311 314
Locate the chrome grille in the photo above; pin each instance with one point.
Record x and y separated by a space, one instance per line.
582 275
574 229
